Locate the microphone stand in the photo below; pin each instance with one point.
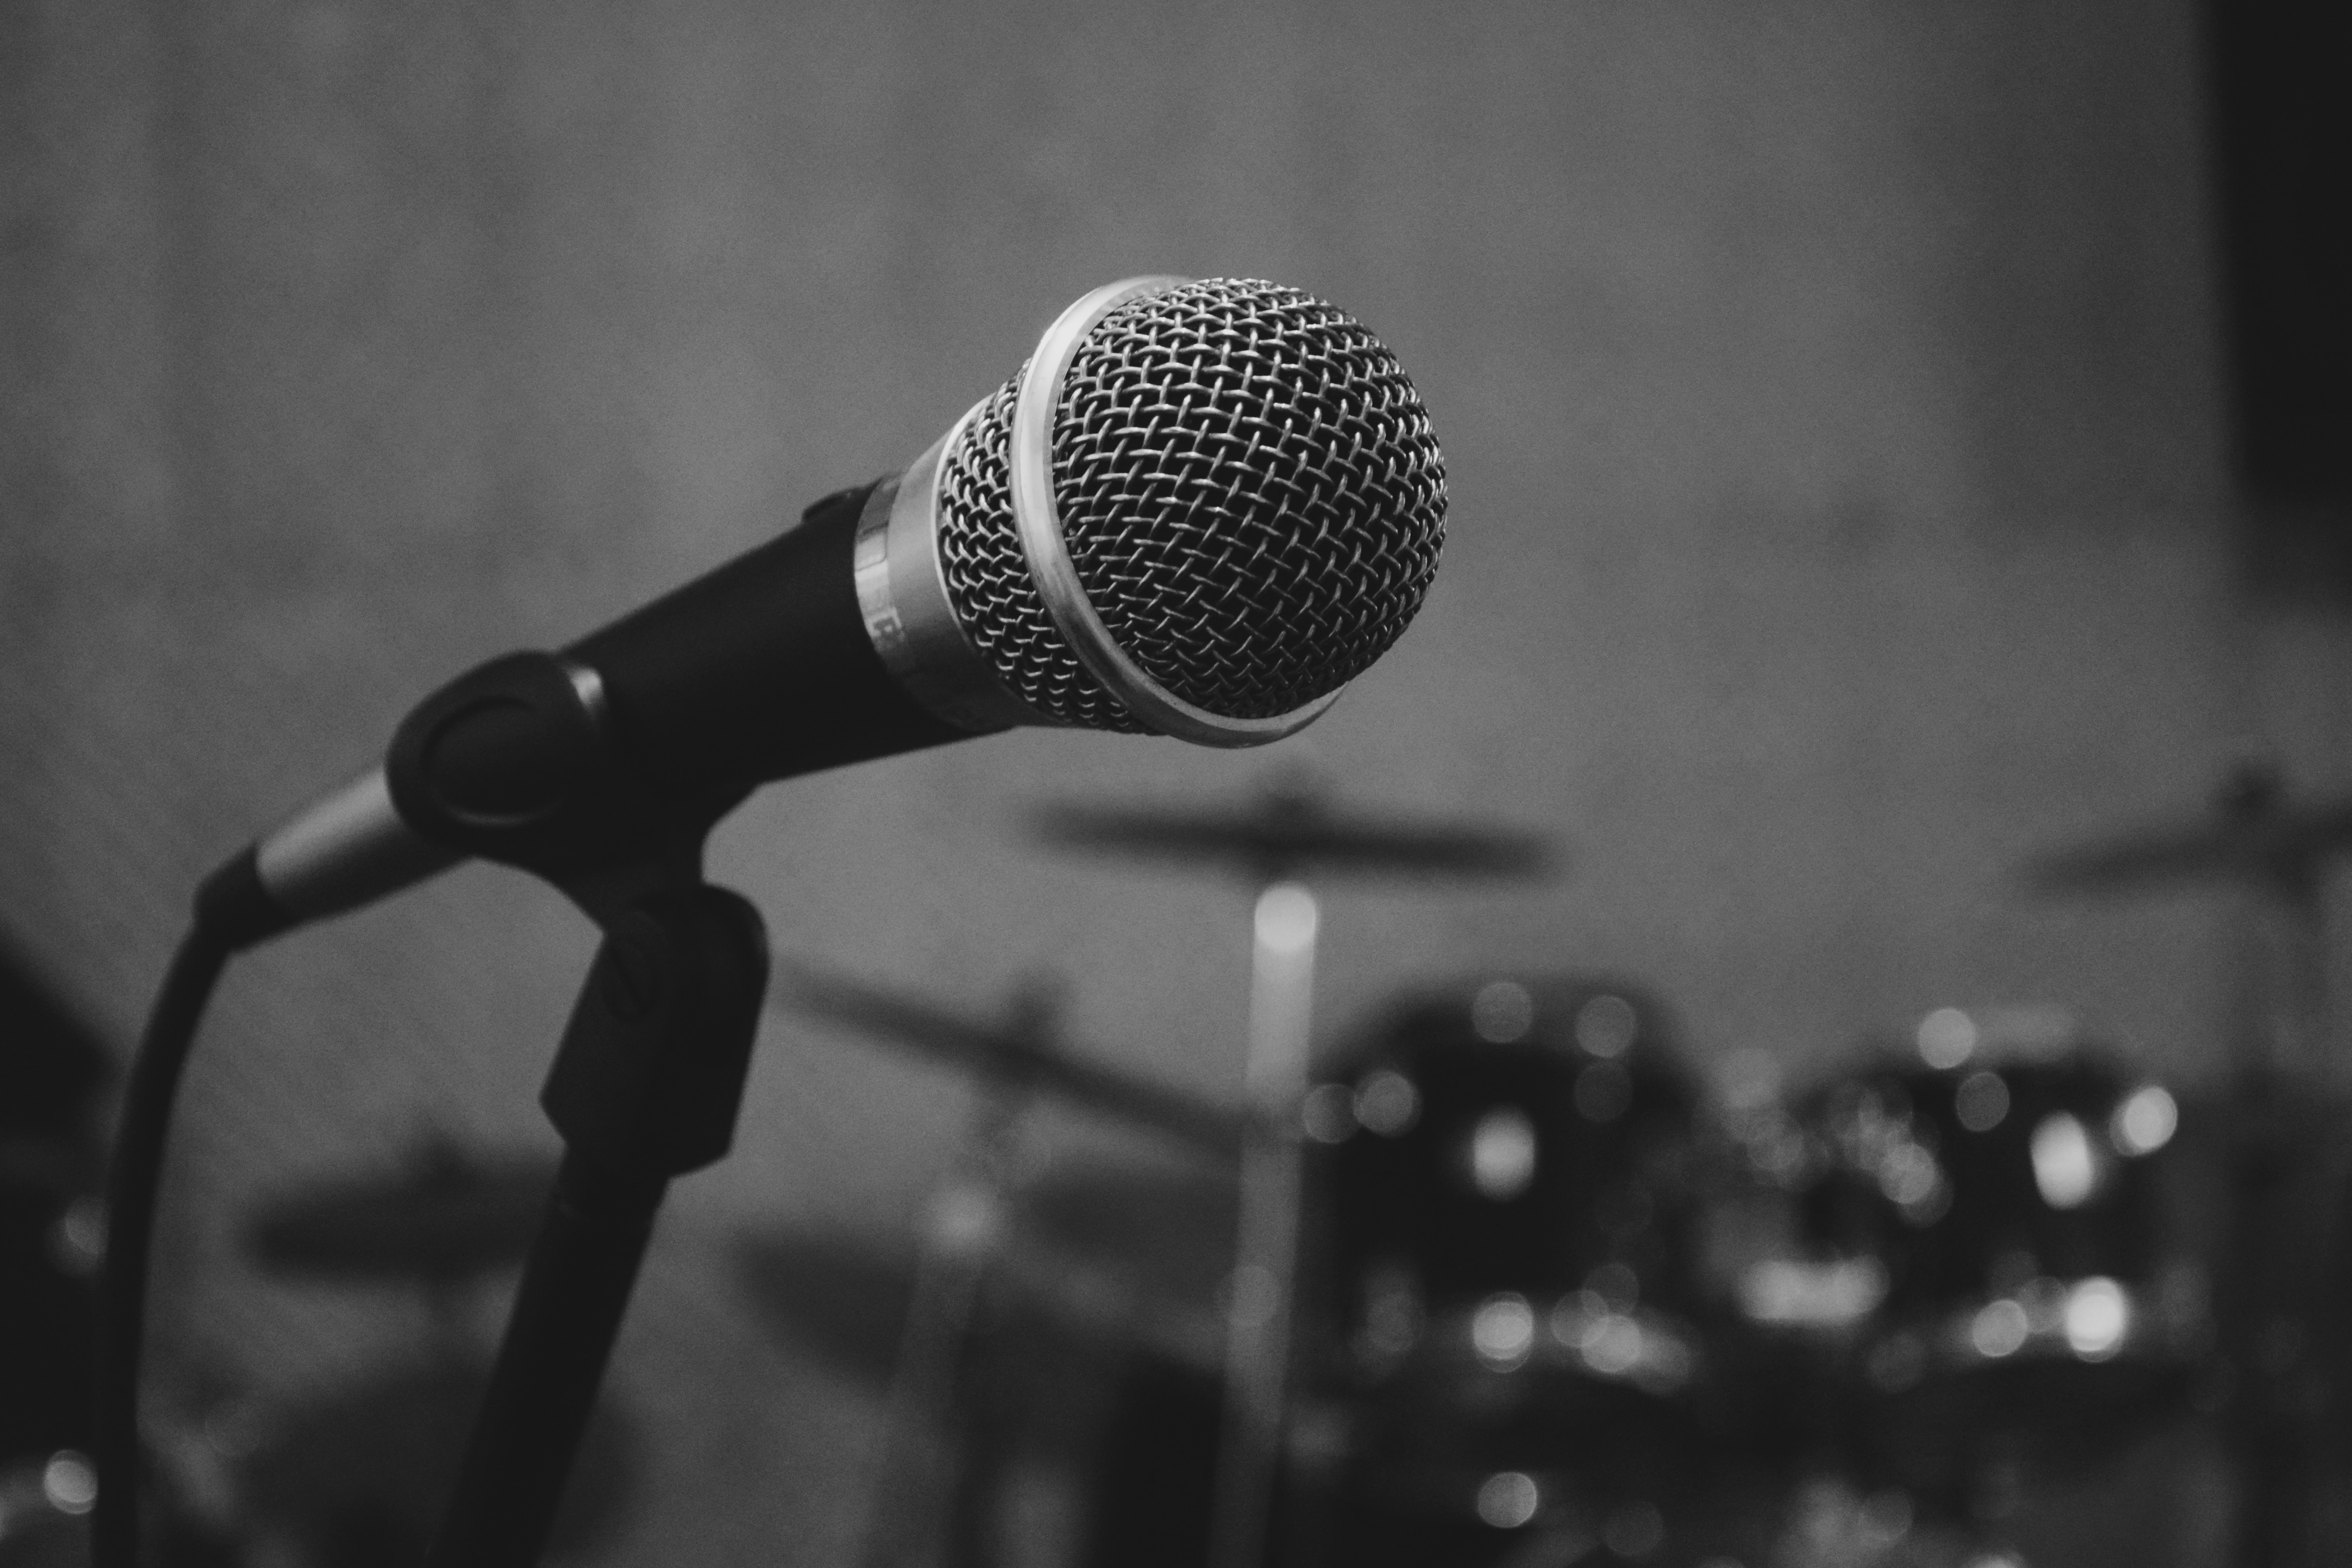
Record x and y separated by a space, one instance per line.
516 762
644 1087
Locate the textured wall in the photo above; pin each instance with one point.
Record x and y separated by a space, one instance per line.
1830 393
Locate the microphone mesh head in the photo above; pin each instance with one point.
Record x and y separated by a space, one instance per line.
1248 487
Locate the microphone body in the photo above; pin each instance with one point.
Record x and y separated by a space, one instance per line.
759 670
1198 511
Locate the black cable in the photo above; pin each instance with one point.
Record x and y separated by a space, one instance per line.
131 1190
232 912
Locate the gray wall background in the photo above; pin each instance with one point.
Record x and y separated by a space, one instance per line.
1831 395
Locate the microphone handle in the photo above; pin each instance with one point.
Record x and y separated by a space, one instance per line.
650 729
760 669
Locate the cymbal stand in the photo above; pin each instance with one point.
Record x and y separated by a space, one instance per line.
958 1241
2291 921
2286 1042
1259 1327
2285 959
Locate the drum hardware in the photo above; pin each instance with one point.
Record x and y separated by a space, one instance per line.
937 1438
2255 837
1273 844
1982 1261
1893 1372
2279 851
1094 1275
1505 1290
1019 1055
2251 834
2278 1386
975 1227
965 1238
1124 1260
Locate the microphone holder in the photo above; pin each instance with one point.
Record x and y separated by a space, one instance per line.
644 1087
517 762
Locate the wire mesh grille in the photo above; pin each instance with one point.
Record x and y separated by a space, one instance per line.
1248 487
989 583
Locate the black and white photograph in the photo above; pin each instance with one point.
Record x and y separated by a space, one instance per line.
1258 784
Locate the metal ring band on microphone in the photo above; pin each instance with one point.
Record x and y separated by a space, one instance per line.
909 615
1030 463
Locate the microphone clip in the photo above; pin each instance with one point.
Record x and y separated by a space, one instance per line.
516 762
646 1087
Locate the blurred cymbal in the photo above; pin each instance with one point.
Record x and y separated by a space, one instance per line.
840 1296
1167 1235
2251 832
1286 834
1014 1055
358 1473
451 1215
1121 1258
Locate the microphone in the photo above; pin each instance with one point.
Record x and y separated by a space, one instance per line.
1199 509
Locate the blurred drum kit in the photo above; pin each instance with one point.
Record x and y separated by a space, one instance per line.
1502 1279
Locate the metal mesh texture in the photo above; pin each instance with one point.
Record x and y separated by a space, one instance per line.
1248 487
